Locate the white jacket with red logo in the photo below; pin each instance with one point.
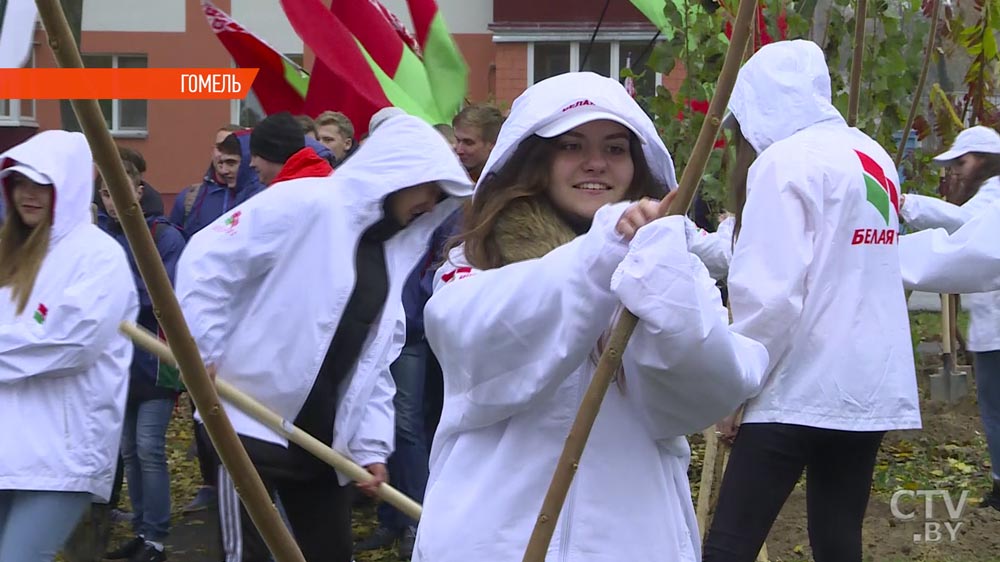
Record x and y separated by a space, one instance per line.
64 366
515 347
920 212
815 274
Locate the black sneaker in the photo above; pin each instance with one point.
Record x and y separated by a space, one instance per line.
148 553
127 550
992 499
382 537
406 542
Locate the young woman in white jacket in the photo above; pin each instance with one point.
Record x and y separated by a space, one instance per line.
551 247
815 277
974 158
65 287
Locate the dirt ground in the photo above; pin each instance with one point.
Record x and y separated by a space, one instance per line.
888 539
948 454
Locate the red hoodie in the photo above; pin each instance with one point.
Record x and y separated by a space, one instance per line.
303 164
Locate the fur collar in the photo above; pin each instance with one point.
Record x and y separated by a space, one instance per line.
529 229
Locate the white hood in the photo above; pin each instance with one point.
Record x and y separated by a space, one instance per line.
549 99
386 162
782 89
65 158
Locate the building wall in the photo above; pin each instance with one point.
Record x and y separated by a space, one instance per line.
180 133
564 12
512 72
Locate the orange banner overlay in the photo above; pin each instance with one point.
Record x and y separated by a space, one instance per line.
126 83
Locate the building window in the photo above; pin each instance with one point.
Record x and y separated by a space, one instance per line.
607 58
247 112
123 117
19 113
551 59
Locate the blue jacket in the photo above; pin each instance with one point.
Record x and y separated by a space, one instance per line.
420 285
320 149
169 244
215 199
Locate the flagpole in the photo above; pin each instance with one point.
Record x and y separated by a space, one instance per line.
610 362
234 456
854 94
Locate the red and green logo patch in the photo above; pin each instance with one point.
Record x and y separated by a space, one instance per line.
41 313
879 190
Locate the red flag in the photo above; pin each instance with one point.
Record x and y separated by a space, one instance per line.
368 23
342 79
401 30
280 84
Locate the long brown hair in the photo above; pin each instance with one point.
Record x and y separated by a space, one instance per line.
745 155
526 176
22 251
989 166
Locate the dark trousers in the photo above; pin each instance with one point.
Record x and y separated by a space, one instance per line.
208 461
765 464
317 506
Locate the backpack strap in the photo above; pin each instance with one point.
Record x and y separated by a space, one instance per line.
194 190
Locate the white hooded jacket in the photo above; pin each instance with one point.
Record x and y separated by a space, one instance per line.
64 366
265 286
967 261
514 344
815 273
921 212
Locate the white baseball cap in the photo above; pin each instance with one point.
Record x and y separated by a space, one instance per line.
579 113
25 170
973 139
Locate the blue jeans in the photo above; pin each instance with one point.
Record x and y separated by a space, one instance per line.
987 364
34 525
144 443
408 465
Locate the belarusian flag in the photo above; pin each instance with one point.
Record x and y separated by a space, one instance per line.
443 61
396 24
382 42
17 27
654 12
879 190
281 84
345 78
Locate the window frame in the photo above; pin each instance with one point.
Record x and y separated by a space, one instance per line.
13 117
116 111
578 42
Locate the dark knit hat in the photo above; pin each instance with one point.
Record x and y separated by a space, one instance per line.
277 138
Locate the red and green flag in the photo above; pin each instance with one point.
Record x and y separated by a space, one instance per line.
281 85
655 12
384 47
443 61
346 77
879 190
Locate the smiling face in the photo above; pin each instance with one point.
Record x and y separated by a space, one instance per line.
227 167
592 167
33 202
